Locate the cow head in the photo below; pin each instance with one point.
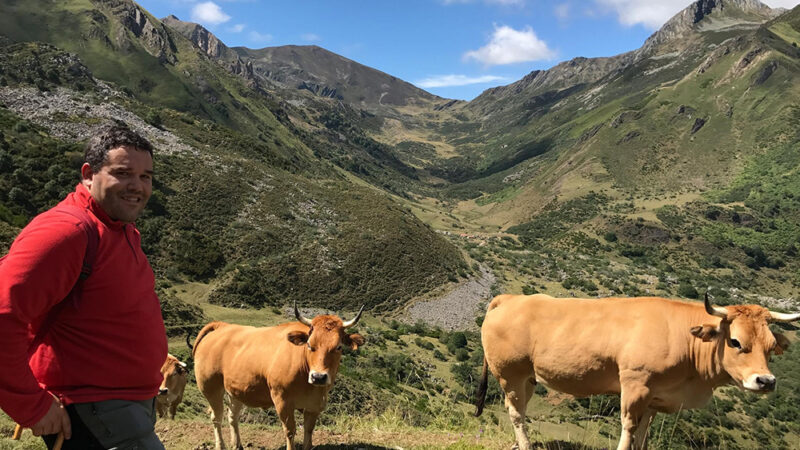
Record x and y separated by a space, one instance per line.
175 375
745 341
324 343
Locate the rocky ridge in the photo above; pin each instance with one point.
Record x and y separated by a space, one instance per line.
152 34
74 116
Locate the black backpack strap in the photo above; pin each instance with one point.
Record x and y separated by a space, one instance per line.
93 241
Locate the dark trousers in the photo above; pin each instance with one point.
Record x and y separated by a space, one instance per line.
111 424
82 438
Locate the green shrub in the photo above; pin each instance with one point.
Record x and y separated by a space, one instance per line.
686 290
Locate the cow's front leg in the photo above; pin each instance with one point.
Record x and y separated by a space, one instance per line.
309 422
634 401
641 435
286 414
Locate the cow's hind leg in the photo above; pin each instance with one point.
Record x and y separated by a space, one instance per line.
286 414
309 422
216 399
634 400
518 392
234 411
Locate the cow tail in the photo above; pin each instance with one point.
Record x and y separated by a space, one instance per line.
480 394
206 329
188 339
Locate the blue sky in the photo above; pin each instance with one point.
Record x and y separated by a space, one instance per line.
451 48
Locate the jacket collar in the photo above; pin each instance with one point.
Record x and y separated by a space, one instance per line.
84 199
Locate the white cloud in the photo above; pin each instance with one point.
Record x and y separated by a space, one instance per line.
509 46
788 4
496 2
654 14
310 37
561 11
650 14
455 80
238 28
209 13
255 36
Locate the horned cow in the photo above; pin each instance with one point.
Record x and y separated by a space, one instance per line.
660 355
289 366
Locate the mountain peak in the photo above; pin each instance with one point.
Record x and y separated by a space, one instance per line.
710 15
202 38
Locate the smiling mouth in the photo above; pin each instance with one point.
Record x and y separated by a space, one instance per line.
135 200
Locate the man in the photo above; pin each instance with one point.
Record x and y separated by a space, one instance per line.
95 372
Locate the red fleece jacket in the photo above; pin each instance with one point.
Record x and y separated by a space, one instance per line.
111 345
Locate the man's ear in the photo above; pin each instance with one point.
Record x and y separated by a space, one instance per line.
354 341
86 174
297 337
783 343
707 332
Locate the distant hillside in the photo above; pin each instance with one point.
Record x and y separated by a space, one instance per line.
310 68
292 173
244 198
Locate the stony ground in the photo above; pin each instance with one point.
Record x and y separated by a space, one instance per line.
457 309
74 116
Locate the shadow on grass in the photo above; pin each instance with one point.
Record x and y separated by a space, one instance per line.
563 445
357 446
351 447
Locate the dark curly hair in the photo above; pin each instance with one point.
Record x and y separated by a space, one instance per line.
109 137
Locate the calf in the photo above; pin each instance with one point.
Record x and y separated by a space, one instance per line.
170 393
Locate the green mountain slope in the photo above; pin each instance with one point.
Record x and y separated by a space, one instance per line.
669 170
248 206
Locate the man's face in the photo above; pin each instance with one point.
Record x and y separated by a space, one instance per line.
123 184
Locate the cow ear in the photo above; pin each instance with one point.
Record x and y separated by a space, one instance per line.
782 345
707 332
355 341
297 337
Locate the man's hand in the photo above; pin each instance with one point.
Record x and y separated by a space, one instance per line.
56 420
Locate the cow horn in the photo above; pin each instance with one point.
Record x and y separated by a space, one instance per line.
718 311
783 317
300 317
350 323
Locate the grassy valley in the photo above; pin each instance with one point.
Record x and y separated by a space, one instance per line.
671 171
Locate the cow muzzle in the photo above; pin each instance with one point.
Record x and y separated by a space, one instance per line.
760 382
318 378
163 391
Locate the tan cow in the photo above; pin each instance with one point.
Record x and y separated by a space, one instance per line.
170 393
660 355
289 366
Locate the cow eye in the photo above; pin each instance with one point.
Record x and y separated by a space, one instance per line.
339 348
735 344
